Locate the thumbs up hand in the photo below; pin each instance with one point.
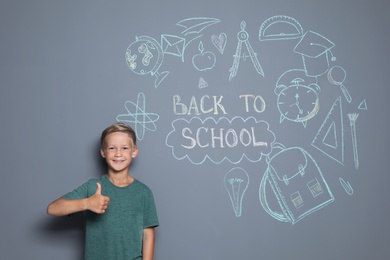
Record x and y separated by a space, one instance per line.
97 202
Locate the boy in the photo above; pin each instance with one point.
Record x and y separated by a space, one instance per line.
120 213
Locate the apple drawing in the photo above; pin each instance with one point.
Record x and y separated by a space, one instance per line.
204 60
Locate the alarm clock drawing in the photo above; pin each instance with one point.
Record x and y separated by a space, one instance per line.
298 102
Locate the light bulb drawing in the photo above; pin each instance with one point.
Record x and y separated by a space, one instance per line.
236 182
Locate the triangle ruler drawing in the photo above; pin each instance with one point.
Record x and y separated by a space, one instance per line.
363 105
330 137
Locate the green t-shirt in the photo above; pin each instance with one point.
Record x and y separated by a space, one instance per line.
117 234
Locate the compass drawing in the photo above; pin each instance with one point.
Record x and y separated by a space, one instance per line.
243 37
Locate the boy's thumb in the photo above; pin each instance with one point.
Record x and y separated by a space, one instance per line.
98 188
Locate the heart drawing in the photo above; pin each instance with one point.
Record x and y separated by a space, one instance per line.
219 41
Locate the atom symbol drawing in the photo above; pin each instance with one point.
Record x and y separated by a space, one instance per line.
142 121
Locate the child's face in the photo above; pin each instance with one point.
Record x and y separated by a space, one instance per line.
118 151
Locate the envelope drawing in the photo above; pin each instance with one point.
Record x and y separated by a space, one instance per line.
173 45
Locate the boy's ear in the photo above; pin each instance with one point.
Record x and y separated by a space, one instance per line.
135 152
102 153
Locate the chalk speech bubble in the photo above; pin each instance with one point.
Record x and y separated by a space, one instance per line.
220 140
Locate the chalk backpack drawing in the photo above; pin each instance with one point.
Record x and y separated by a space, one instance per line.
296 182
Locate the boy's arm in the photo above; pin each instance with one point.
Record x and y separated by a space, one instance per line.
148 243
62 207
96 203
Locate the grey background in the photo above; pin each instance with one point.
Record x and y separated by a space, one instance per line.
64 78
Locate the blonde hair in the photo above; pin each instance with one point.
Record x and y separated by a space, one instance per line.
118 127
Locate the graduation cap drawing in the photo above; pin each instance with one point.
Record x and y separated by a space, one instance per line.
314 49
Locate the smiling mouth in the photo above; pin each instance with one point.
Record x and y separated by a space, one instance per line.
118 161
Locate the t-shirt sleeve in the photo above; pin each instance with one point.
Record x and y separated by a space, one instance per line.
80 192
150 212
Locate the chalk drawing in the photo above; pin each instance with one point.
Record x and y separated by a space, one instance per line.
142 121
294 75
201 131
173 45
256 99
243 37
220 140
297 102
363 105
336 76
346 186
280 27
314 49
205 60
330 137
352 120
219 41
204 105
297 183
236 183
202 83
196 25
151 56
